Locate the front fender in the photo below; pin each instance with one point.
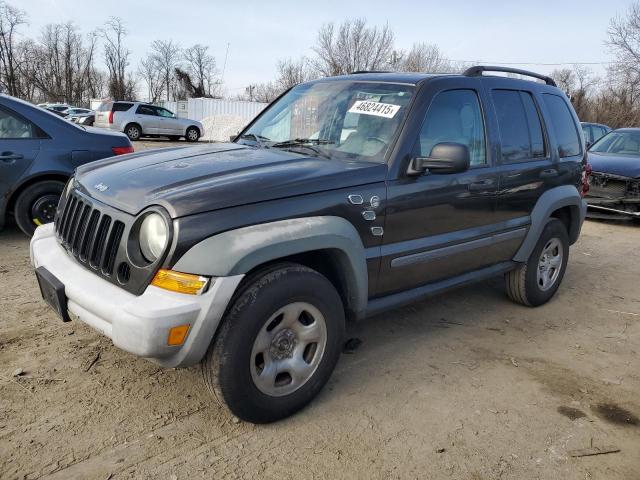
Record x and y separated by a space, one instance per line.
237 252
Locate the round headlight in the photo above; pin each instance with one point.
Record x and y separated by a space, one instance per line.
153 236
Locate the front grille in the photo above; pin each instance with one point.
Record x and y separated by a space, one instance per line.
89 234
613 187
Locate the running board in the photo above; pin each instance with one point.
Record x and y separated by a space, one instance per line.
395 300
615 210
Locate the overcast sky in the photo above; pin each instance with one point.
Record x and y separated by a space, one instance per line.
261 32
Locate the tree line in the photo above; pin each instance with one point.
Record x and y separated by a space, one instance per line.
63 65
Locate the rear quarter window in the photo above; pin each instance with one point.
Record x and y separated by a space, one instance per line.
563 125
121 107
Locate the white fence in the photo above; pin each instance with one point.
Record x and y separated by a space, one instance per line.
221 118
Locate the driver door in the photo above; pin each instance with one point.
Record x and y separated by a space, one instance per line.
442 225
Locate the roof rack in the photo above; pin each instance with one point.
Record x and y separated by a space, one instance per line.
370 71
479 69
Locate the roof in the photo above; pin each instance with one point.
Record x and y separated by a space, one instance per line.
390 77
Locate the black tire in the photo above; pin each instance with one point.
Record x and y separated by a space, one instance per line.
192 134
133 131
227 367
36 205
523 285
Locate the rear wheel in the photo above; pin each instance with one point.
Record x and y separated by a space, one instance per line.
277 345
192 134
37 205
534 283
133 131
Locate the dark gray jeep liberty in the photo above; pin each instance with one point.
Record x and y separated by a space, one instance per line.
347 196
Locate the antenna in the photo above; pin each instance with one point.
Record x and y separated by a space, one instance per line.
224 66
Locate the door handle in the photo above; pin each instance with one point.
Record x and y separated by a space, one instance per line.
481 186
10 157
549 173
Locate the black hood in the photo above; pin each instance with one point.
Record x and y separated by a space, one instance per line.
192 180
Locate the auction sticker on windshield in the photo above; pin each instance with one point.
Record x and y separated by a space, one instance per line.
378 109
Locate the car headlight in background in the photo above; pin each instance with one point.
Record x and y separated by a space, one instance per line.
153 236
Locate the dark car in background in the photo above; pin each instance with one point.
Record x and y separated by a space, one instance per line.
38 153
593 132
615 179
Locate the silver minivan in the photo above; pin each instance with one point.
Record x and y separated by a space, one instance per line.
137 120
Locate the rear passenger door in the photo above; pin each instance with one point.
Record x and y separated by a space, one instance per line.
527 167
19 147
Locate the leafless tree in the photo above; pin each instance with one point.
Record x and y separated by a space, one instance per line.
292 72
150 74
166 55
352 46
116 56
201 67
11 19
422 57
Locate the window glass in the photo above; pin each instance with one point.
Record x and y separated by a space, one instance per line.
586 131
535 127
454 116
164 112
121 106
598 132
513 124
13 127
618 143
105 107
563 125
146 110
340 119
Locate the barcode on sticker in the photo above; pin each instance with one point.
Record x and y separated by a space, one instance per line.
378 109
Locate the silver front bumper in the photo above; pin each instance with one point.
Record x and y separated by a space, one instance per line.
137 324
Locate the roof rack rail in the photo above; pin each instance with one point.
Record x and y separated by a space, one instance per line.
370 71
477 71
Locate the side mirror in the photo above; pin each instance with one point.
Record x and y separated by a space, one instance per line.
445 157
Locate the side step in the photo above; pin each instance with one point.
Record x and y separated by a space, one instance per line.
395 300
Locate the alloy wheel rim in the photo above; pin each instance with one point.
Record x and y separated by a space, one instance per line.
192 135
550 264
133 132
288 349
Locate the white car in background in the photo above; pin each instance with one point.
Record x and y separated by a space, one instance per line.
138 119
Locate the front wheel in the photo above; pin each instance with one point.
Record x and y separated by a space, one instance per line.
37 205
192 135
534 283
277 345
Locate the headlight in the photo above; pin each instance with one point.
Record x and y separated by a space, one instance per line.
153 236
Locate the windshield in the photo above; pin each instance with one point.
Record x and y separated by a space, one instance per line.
351 120
618 143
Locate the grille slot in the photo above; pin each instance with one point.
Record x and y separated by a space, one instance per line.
89 234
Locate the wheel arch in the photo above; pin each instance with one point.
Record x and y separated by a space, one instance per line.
564 203
42 177
330 245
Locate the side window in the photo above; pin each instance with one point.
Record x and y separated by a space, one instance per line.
586 132
145 110
14 127
598 132
563 125
121 107
454 116
163 112
520 128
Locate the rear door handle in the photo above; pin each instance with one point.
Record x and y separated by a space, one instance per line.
549 173
481 186
10 157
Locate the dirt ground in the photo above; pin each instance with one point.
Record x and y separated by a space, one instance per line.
465 386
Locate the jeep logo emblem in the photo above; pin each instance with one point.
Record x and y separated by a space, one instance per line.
101 187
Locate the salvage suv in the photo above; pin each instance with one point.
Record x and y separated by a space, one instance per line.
346 197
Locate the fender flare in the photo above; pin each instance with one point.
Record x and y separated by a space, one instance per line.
236 252
550 201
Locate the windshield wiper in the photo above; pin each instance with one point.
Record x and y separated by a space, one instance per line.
304 143
258 138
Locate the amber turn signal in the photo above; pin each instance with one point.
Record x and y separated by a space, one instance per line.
180 282
177 335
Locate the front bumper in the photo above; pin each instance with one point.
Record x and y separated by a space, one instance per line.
137 324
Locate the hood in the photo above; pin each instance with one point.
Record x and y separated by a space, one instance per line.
622 165
192 180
